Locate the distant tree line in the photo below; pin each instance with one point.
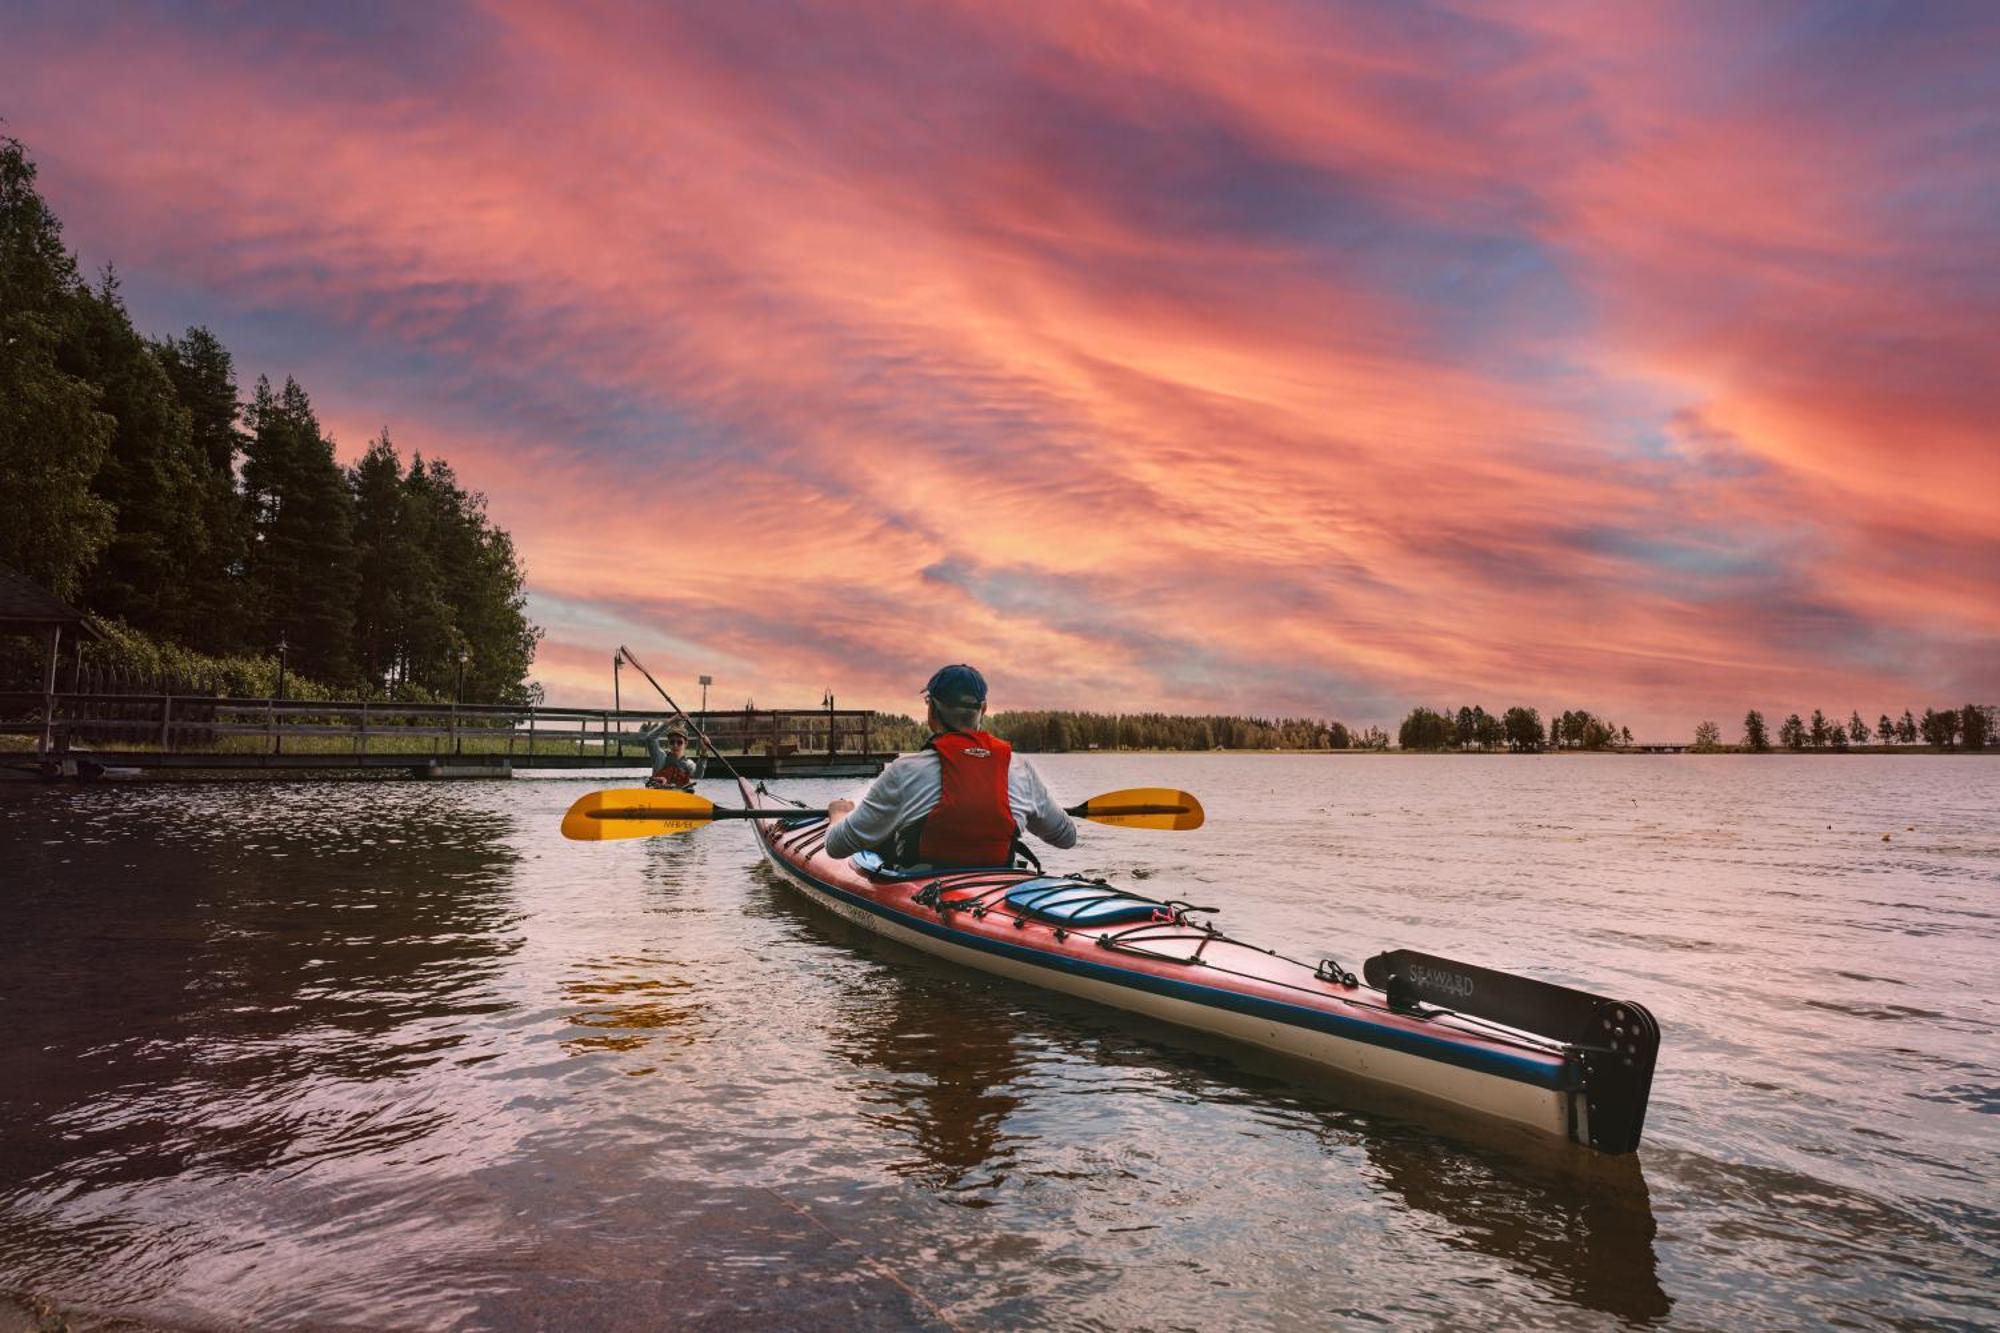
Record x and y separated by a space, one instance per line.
1518 730
1972 727
141 487
1043 732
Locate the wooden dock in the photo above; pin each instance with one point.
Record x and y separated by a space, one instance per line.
85 735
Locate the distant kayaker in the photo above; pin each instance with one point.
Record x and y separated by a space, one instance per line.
672 769
963 800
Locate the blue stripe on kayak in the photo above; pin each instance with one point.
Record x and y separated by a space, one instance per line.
1481 1059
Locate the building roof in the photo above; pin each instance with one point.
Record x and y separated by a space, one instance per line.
27 605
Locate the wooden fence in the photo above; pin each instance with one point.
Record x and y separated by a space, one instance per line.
132 726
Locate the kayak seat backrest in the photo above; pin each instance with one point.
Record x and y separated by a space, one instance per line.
1073 902
870 864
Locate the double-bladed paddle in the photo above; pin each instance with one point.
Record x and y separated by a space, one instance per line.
646 812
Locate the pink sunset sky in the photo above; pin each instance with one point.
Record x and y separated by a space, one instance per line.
1250 357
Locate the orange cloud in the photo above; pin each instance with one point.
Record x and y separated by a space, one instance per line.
1280 358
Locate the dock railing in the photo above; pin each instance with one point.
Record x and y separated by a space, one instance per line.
168 724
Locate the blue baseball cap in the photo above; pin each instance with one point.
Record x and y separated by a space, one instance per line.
957 686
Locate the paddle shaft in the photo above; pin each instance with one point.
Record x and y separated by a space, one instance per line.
1089 811
690 815
700 734
1084 811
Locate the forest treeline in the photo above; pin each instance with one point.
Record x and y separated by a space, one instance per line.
1043 732
1972 727
140 486
1047 732
1518 729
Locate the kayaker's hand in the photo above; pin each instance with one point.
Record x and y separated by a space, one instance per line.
838 810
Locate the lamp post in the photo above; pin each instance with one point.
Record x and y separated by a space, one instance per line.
702 726
617 660
277 739
458 693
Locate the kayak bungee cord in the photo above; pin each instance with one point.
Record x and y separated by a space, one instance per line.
975 893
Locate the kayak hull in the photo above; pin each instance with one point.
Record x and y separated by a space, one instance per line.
1217 986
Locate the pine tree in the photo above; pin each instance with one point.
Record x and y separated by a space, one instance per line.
204 379
150 477
53 438
1792 733
1975 726
1755 738
383 567
301 577
1522 729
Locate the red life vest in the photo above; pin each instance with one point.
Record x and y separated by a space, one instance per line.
973 822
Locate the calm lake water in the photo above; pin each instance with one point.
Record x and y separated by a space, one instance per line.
396 1056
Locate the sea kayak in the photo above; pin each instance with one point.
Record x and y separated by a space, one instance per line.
1557 1060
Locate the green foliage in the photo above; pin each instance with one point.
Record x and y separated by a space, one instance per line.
1519 729
1755 738
896 731
52 435
1707 738
168 667
1522 729
1975 723
1426 729
1041 732
1946 729
1580 730
442 591
1792 733
301 568
119 459
150 477
204 378
1939 728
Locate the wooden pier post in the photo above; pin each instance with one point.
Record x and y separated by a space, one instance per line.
49 691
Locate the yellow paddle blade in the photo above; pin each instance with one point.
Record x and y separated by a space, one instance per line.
1143 807
634 812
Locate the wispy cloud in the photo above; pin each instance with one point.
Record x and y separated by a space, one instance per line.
1279 357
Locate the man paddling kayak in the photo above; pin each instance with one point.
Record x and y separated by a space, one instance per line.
672 769
962 800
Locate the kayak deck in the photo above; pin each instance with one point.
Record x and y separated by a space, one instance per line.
1166 960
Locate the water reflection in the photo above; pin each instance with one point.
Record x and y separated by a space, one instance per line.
949 1064
223 1000
295 1056
1582 1227
631 1003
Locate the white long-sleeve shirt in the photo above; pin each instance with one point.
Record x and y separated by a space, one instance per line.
909 789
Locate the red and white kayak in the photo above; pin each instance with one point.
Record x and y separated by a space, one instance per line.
1557 1060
